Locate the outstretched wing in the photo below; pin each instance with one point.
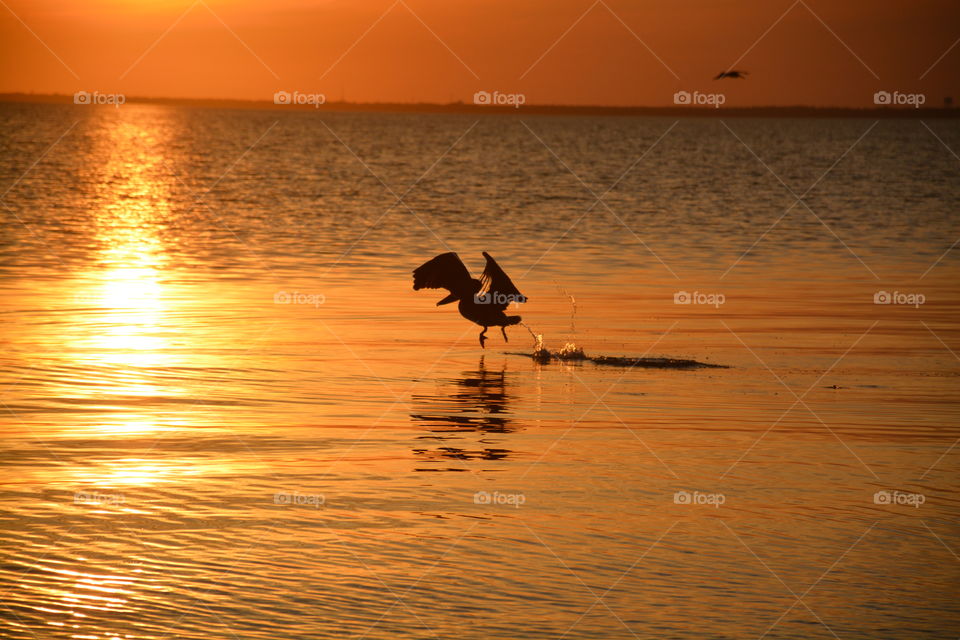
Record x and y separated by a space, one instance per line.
498 286
446 271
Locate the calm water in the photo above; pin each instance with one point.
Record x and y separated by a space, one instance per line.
185 455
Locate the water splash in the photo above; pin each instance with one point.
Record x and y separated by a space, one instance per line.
571 352
573 306
540 352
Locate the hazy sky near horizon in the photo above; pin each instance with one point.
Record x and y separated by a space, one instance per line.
598 52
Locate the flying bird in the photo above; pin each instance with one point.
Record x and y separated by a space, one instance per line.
733 73
481 301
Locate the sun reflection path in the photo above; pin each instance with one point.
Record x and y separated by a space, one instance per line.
125 332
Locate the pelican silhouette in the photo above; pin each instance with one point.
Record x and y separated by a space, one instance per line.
733 73
481 301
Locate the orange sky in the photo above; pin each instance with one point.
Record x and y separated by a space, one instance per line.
445 50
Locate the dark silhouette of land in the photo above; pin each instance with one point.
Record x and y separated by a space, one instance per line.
798 111
482 301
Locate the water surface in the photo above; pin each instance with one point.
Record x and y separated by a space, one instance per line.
227 415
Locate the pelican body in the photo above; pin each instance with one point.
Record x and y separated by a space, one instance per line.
481 301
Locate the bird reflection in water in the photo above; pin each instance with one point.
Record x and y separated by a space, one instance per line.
478 405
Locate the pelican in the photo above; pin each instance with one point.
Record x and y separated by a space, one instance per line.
481 301
733 73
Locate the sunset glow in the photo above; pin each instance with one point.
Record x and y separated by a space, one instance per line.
560 52
474 319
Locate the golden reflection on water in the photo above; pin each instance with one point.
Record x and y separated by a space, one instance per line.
131 472
130 327
126 331
126 281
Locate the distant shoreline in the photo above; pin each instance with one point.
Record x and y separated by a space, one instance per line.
529 109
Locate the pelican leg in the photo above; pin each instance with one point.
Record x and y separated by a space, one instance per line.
483 337
503 330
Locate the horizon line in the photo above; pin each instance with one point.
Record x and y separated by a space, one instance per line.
460 106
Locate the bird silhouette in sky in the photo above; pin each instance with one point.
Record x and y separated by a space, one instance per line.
733 73
481 301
